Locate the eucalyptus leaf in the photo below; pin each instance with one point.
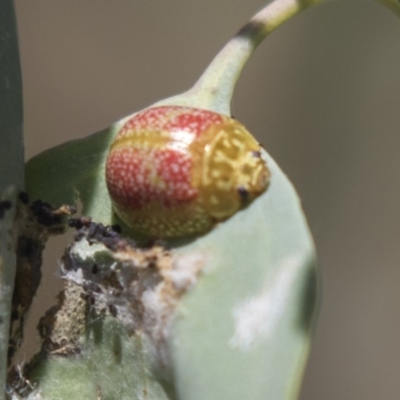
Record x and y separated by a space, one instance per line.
244 332
7 277
73 172
11 168
11 138
113 365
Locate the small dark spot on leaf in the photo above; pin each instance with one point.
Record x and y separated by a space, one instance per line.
116 228
75 223
4 206
86 221
84 296
97 289
14 315
23 197
44 213
11 351
113 310
79 236
26 246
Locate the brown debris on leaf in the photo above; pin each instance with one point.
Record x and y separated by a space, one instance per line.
108 275
64 324
36 222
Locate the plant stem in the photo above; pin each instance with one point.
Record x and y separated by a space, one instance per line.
219 79
215 87
394 5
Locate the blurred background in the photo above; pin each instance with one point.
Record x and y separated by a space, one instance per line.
322 94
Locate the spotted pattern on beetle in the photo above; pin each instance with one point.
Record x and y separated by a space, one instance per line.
176 171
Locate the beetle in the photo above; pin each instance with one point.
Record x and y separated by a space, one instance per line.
175 171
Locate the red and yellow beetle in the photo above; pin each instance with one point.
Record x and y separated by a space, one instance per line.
175 171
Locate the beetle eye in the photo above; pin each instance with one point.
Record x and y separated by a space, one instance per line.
243 193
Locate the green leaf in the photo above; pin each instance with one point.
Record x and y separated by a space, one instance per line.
244 331
11 168
71 172
11 147
114 366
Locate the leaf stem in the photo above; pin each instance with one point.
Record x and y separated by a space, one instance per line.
394 5
215 87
